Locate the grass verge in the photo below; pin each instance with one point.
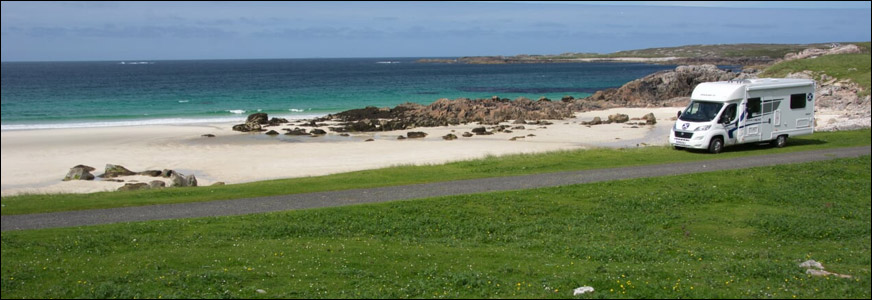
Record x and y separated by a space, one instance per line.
481 168
726 234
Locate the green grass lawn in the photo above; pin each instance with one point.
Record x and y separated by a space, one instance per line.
488 167
725 234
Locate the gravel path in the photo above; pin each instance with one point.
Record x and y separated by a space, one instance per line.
374 195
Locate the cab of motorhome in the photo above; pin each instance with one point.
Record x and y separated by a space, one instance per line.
734 112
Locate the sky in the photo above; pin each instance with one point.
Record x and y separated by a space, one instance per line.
76 31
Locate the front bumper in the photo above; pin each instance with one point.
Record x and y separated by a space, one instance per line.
688 140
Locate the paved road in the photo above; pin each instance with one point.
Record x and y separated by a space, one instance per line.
373 195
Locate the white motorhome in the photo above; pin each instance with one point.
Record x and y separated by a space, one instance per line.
735 112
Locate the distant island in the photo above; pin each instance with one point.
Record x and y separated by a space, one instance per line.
723 54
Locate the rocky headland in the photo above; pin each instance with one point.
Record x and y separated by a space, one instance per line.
661 89
666 88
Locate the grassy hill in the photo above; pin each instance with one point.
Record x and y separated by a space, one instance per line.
855 67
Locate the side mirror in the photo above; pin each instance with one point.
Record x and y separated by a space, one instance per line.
679 114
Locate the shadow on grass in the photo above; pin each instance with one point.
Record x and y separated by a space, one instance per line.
763 146
804 142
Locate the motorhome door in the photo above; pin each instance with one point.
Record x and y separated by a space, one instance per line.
771 117
749 121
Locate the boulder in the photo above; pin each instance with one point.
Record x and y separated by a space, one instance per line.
595 121
258 118
80 172
208 135
316 132
152 173
191 180
86 168
649 119
400 137
247 127
296 131
277 121
166 173
479 130
113 171
157 184
218 183
416 134
619 118
369 140
449 137
134 186
467 134
178 180
272 133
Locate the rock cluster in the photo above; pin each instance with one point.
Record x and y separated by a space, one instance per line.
815 52
839 97
256 122
664 88
111 172
445 112
622 118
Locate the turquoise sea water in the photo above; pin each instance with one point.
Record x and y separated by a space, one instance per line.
113 93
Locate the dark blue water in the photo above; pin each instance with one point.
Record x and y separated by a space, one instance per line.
86 94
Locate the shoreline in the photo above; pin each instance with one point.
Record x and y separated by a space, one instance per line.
35 161
177 121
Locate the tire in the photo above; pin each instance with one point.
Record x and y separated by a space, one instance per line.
780 141
716 145
677 148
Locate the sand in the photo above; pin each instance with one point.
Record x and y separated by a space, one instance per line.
35 161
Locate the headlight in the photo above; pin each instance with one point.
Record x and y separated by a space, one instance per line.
703 128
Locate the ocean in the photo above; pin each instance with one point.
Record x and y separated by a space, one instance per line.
45 95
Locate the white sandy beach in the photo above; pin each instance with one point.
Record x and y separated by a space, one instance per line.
35 161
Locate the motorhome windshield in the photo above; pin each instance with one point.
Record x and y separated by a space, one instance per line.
701 111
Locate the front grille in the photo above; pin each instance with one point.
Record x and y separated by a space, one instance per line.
684 135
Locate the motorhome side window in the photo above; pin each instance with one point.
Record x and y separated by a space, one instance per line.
797 101
753 107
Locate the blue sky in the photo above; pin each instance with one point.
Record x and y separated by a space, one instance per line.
59 31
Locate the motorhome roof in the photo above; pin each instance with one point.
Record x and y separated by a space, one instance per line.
721 91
